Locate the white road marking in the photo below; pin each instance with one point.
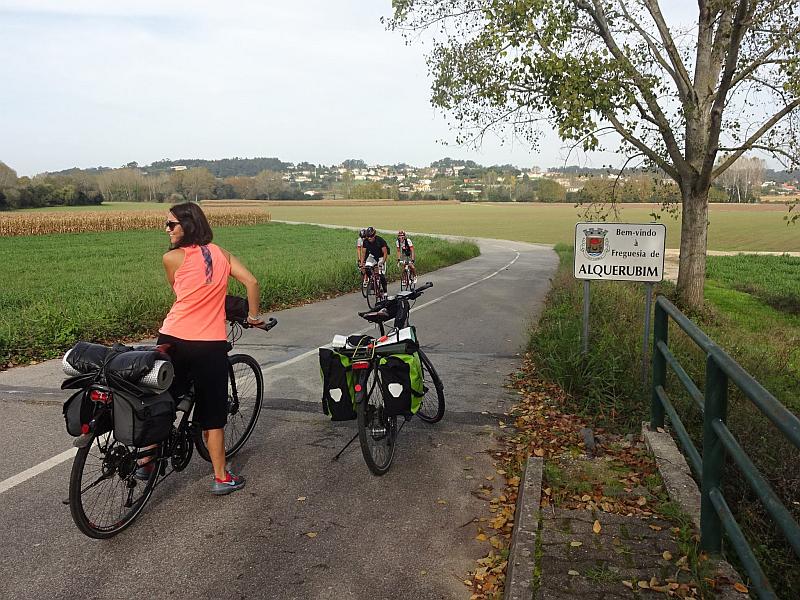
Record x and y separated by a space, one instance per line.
15 480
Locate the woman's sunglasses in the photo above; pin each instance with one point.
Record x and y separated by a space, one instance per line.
171 224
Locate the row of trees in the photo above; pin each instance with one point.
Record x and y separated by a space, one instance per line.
130 184
61 190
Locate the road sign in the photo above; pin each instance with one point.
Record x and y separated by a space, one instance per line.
620 251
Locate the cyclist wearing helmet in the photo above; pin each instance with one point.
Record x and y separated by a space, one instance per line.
405 253
376 246
362 233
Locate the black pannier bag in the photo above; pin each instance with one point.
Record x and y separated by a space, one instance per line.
142 420
79 412
401 384
338 387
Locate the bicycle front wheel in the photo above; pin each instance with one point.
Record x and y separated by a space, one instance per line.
377 433
373 292
245 397
104 494
432 408
364 285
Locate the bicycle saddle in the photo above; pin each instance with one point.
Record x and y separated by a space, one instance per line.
376 316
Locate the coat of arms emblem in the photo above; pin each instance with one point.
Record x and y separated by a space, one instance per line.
594 245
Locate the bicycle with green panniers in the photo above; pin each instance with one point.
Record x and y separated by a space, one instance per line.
377 381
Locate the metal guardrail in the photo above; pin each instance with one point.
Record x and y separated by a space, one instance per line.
718 441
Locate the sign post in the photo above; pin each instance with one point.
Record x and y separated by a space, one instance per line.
620 252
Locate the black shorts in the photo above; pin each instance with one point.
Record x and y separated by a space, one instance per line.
205 364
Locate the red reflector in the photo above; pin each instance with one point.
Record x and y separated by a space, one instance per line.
384 338
85 428
358 387
362 364
98 396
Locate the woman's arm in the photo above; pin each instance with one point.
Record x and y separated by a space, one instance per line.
240 273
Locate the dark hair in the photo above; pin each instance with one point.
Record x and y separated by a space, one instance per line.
196 230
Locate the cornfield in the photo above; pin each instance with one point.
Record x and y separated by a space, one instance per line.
65 222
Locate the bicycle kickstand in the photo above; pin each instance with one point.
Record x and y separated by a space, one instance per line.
335 458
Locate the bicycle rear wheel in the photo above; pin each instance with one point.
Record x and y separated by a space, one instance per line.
104 495
245 398
377 433
432 408
404 280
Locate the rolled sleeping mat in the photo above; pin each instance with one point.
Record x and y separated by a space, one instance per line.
68 368
158 378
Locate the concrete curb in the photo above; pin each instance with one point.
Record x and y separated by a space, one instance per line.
683 490
674 471
522 554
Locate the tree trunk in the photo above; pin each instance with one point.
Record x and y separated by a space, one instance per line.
694 241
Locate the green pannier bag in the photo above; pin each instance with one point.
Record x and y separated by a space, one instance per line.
338 385
401 383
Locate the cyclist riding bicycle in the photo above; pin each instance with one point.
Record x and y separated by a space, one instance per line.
406 253
362 233
376 246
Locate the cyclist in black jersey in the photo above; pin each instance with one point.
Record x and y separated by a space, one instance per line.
376 246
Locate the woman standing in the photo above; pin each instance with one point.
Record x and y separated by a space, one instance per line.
198 272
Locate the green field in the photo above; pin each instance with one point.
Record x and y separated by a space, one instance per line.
732 226
755 227
60 288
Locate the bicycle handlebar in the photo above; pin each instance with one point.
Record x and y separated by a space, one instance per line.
416 293
268 324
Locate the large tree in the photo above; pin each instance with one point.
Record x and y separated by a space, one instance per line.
726 80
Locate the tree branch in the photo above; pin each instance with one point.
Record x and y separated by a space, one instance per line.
595 12
755 137
738 29
681 76
762 58
641 146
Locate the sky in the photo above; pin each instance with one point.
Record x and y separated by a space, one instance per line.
86 83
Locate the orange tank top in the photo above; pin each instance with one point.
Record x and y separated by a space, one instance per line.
201 283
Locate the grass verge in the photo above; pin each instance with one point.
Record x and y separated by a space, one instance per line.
750 314
106 286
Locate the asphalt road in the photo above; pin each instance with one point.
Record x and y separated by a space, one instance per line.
405 535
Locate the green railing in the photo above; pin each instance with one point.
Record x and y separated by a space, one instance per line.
721 369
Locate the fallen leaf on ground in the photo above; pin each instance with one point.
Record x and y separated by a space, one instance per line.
667 555
597 527
627 584
301 498
641 501
312 534
571 572
655 527
643 584
481 537
740 587
576 544
538 452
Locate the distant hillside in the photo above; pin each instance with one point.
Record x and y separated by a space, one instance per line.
224 167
